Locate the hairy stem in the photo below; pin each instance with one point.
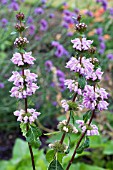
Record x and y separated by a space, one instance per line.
78 143
30 148
64 134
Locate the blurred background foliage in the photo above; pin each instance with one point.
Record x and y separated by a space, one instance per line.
47 23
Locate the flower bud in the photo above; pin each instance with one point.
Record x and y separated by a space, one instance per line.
20 16
80 27
58 147
21 42
19 28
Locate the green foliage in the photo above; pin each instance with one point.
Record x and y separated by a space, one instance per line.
87 115
50 155
81 82
32 136
21 159
83 146
55 165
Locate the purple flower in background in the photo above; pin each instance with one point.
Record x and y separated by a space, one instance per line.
51 15
14 6
43 25
102 47
76 10
48 65
3 1
4 22
30 20
60 50
111 11
54 103
100 38
110 56
89 13
39 11
31 29
1 85
61 78
104 3
60 73
99 31
43 1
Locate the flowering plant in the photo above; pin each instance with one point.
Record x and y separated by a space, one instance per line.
87 95
24 82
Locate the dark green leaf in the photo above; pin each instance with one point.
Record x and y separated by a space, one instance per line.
83 146
82 82
32 136
55 165
87 115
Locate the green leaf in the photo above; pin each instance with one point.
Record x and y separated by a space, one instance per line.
14 32
72 117
23 128
82 82
55 165
83 146
108 150
52 133
87 115
32 136
60 156
50 155
68 149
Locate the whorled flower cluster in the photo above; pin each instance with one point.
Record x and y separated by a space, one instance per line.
24 85
68 128
20 42
28 117
22 59
81 44
91 130
95 98
73 86
84 67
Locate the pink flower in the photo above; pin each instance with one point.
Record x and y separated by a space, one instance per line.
82 44
30 116
21 59
73 86
65 105
91 130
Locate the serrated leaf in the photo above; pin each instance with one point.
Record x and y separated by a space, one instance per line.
55 165
83 146
87 115
14 32
23 128
82 82
50 155
32 136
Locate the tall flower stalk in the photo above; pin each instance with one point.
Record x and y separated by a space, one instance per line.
87 95
25 86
